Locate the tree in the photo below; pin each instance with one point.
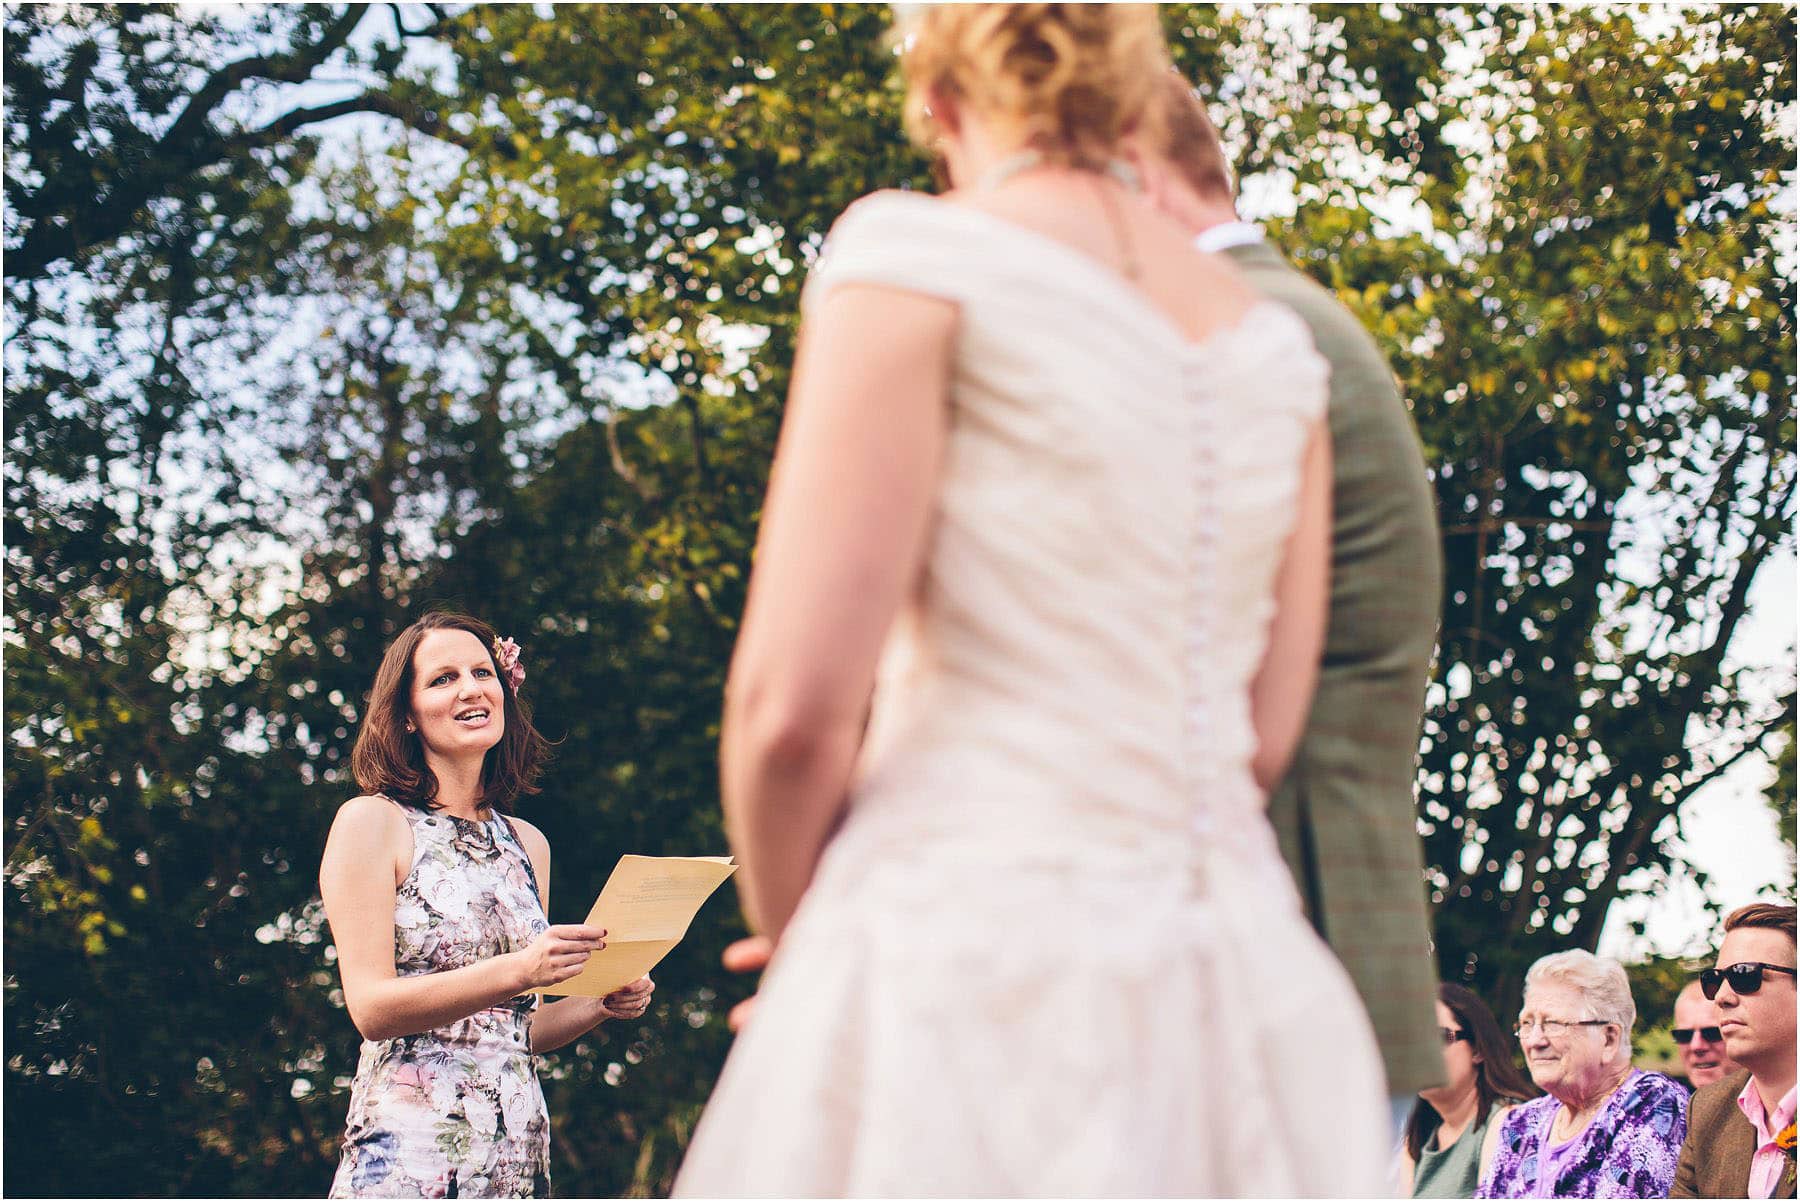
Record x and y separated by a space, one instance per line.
116 124
682 280
414 403
152 233
1612 474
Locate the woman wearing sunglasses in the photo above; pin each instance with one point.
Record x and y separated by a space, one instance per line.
1453 1129
1606 1130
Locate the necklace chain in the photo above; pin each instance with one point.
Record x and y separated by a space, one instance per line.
1013 165
1128 260
1021 161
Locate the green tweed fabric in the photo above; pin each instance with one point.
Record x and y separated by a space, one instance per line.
1345 813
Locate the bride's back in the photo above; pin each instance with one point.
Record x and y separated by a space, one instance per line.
1120 472
1122 453
1075 85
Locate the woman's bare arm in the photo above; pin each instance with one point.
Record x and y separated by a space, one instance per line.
844 530
1281 693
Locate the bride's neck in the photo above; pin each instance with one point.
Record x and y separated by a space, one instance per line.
978 148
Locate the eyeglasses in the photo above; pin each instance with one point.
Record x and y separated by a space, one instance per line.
1743 978
1452 1034
1556 1028
1707 1034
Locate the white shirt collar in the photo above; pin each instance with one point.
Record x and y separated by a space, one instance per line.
1229 234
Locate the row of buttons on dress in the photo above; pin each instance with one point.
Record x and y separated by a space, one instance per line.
1202 570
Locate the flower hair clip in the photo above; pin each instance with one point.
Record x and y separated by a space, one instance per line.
506 655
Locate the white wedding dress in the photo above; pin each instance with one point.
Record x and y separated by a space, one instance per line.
1053 950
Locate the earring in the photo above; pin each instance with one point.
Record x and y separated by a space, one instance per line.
411 729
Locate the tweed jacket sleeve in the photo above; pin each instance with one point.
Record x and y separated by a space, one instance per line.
1686 1172
1709 1154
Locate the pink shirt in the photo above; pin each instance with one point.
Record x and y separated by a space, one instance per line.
1765 1166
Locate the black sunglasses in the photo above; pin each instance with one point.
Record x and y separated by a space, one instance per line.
1743 978
1452 1034
1709 1034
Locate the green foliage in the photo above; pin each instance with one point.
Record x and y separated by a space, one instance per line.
521 347
1780 792
1655 983
1654 986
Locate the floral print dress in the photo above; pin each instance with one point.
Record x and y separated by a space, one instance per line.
454 1112
1628 1150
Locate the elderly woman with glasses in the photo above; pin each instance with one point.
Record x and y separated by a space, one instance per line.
1604 1129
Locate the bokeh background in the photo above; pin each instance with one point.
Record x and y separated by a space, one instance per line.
317 315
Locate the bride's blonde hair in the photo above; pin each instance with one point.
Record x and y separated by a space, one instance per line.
1077 77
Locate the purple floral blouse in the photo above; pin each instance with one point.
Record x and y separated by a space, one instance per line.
1628 1151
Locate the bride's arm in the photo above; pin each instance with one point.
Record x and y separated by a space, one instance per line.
844 529
1281 694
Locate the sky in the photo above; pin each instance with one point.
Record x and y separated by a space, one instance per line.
1728 831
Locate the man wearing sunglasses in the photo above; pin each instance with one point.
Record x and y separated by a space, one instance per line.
1740 1140
1698 1038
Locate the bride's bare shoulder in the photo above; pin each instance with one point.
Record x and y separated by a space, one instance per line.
889 196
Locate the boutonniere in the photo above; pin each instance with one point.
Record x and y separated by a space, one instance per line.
1785 1140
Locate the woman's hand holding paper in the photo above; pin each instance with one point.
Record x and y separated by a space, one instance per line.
629 1002
558 954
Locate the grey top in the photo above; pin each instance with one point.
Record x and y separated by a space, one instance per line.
1454 1171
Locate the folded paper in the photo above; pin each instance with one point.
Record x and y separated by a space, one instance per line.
645 909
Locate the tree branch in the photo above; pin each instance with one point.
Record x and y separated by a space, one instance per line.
191 127
192 144
1752 744
417 117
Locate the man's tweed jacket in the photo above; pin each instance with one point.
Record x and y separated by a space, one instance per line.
1345 813
1715 1157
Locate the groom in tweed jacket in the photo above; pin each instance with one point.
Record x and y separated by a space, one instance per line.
1344 815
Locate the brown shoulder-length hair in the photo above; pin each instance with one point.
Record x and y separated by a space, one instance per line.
1497 1077
390 760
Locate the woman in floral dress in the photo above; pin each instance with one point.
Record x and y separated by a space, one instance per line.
436 901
